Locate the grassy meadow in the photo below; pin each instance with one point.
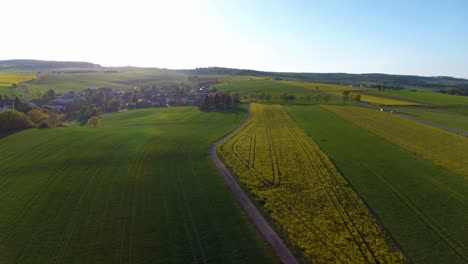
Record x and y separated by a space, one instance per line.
422 206
140 188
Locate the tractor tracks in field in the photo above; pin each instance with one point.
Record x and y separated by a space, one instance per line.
249 208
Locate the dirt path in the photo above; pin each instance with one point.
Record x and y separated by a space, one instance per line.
249 208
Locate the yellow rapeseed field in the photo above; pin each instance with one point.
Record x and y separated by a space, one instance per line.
303 192
11 78
443 148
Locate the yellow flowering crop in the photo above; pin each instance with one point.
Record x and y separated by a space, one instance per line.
302 191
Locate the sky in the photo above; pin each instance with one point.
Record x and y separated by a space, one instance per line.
413 37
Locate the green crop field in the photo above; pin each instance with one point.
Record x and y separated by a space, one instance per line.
437 115
443 148
420 204
138 189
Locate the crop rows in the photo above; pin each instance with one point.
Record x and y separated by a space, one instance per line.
303 192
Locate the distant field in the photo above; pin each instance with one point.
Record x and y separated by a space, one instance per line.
422 205
441 147
8 79
275 88
303 192
453 103
376 100
437 115
427 97
337 91
321 86
384 101
11 78
125 80
138 189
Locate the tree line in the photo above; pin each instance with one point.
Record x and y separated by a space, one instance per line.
218 100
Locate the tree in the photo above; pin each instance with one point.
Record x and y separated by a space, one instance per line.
114 105
326 98
217 100
284 97
94 121
53 119
318 98
49 94
357 97
291 98
21 105
37 115
252 96
14 85
345 96
235 98
12 120
227 100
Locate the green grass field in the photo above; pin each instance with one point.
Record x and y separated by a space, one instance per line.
421 205
138 189
437 115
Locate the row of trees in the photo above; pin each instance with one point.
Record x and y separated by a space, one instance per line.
14 120
218 100
347 95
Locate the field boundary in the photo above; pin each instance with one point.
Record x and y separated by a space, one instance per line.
249 208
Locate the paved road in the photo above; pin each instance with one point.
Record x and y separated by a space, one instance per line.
448 129
252 212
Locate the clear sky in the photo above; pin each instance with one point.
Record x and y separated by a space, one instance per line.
356 36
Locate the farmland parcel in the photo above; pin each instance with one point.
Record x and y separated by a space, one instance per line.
138 189
303 192
422 205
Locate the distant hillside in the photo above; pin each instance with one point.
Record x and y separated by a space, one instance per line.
40 65
395 81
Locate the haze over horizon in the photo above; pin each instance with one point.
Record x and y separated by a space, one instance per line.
426 38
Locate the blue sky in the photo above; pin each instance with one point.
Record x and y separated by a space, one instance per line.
357 36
